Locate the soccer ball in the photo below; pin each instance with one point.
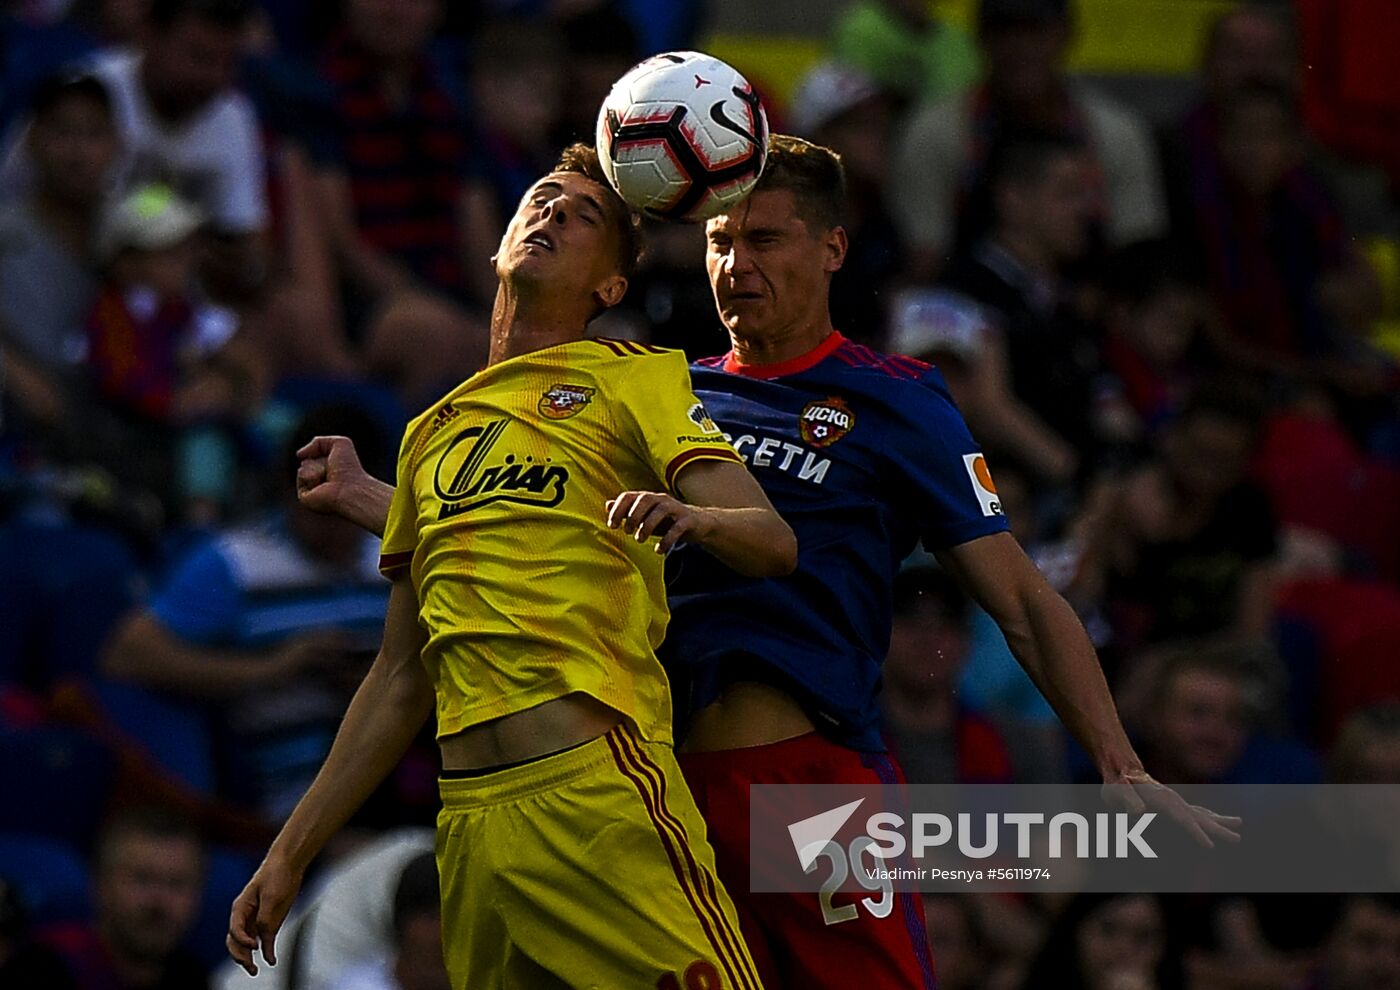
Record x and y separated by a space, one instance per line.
682 136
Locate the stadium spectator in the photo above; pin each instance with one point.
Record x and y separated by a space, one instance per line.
845 110
601 45
392 182
47 280
517 87
960 949
183 124
1292 290
1363 950
172 367
938 191
907 48
1153 313
1249 44
148 878
1027 379
26 964
1202 708
1108 942
415 962
274 620
1367 747
936 737
1184 545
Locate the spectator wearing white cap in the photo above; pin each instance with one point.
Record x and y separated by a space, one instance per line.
848 111
158 354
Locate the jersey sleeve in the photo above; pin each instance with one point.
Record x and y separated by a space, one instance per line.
401 528
668 425
936 461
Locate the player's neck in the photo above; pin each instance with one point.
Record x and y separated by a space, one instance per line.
525 322
783 345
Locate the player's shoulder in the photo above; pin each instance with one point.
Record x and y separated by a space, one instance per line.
900 372
632 360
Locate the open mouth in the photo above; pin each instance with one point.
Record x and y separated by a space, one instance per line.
540 239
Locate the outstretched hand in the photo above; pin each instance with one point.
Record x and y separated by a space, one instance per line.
1138 792
258 913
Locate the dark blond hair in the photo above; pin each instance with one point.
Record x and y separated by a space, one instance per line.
813 174
582 159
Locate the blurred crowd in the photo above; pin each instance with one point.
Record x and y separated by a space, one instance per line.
229 225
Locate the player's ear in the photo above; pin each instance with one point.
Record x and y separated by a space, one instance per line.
610 293
835 246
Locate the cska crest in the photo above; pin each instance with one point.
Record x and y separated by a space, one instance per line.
826 421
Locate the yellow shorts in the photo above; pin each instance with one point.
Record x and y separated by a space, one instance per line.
587 869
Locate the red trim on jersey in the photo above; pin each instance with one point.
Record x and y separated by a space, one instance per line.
391 562
695 454
798 364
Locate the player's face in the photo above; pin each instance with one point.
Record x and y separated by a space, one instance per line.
563 240
770 272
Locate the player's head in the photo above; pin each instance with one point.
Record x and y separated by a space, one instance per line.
771 257
572 236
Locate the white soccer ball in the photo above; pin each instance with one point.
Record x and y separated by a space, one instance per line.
682 136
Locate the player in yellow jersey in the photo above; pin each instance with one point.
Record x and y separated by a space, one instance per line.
525 541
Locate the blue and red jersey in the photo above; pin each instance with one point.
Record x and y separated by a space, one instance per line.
864 454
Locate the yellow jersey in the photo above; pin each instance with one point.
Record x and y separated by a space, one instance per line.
500 518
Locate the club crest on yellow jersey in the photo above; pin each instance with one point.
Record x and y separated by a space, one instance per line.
467 477
564 401
825 421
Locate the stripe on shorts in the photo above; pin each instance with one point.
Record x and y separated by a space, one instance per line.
675 849
702 879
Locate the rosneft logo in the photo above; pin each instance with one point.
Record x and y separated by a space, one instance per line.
564 401
826 421
467 477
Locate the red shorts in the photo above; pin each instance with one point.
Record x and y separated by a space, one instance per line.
796 940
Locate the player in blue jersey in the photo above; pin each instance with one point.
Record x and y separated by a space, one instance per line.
864 455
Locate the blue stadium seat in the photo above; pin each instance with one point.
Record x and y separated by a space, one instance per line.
56 782
50 877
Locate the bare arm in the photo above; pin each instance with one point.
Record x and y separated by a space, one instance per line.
331 479
1050 643
386 713
144 652
724 510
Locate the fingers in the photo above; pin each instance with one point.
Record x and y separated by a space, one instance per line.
644 514
317 447
267 935
240 942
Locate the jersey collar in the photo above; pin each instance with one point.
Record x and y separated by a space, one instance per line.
794 366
